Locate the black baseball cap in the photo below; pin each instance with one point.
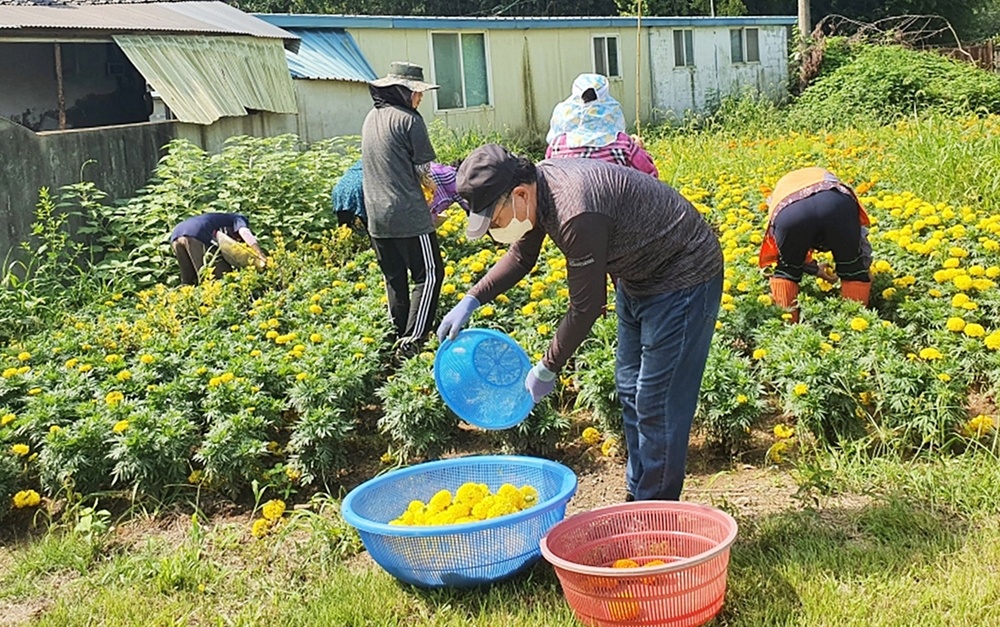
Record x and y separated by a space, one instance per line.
482 179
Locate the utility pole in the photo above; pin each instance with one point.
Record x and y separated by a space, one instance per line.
805 24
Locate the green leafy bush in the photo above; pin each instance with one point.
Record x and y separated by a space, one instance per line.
888 82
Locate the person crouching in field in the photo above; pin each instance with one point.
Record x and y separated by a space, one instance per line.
193 237
811 209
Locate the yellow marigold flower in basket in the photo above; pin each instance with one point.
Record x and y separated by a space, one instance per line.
440 500
470 493
273 510
26 498
591 436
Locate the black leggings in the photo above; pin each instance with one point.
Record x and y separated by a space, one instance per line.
827 220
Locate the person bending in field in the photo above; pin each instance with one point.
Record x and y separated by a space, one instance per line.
194 237
811 209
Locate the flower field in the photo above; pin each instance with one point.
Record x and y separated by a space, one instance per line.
284 377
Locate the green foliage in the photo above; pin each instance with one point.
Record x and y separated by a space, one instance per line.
732 398
414 416
595 375
887 82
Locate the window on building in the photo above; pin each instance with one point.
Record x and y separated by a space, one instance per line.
606 56
744 45
460 70
684 48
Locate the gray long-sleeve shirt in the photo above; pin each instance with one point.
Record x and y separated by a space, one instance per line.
607 219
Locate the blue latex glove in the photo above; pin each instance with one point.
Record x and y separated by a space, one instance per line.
540 381
457 318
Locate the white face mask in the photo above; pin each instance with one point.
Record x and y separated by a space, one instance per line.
515 229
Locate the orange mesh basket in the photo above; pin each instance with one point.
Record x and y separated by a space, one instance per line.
688 545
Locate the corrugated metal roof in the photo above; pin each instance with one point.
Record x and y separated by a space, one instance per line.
205 78
516 23
328 54
169 17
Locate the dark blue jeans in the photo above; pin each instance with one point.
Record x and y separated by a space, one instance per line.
663 343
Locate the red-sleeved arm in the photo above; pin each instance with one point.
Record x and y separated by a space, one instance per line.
642 161
512 267
585 244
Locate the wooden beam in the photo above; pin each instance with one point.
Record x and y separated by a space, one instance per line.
60 94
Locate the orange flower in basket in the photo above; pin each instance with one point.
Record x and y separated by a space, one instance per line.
623 610
625 563
652 581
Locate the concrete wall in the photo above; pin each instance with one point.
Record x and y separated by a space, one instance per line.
330 108
678 89
123 158
530 71
212 138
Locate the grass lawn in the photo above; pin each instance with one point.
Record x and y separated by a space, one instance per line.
868 543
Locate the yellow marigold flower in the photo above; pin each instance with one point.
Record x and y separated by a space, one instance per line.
255 353
196 476
34 391
147 359
610 447
9 373
24 370
487 311
261 527
959 300
800 389
273 510
859 324
934 292
888 293
955 324
975 330
440 500
227 377
71 363
368 340
26 498
765 300
962 282
447 289
302 376
214 382
360 287
315 309
6 419
951 262
23 356
86 367
834 336
112 358
315 338
271 334
741 399
293 474
782 431
930 353
944 377
120 426
992 341
543 329
590 436
760 353
980 425
113 398
123 376
20 449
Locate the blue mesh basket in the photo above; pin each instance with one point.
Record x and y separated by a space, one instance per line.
480 375
466 554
